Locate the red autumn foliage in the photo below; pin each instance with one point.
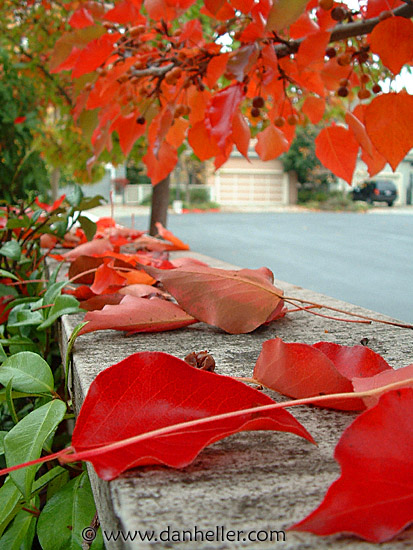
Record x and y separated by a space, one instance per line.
373 498
301 370
292 54
108 435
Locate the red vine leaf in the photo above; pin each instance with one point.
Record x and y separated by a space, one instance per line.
134 314
150 391
373 498
301 370
236 301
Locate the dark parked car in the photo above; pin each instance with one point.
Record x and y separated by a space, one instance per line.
372 191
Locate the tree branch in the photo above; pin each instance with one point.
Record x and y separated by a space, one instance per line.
348 30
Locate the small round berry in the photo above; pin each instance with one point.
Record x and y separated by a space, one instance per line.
364 78
338 13
344 82
326 5
376 89
258 102
344 59
363 57
255 112
140 120
342 91
363 93
331 52
292 120
279 121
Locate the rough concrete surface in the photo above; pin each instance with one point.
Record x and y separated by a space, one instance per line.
253 481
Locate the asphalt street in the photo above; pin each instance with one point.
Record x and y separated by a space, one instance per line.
365 259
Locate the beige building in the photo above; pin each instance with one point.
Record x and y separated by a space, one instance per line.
255 183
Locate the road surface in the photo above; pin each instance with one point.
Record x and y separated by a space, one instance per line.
365 259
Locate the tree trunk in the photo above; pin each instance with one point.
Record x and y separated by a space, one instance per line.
159 205
54 183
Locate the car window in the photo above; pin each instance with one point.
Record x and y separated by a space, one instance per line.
386 186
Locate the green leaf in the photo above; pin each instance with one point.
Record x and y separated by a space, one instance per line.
18 395
6 290
10 404
22 315
3 355
21 533
9 498
50 477
63 305
72 506
53 292
28 372
11 250
24 441
88 226
8 274
2 436
20 222
74 198
91 202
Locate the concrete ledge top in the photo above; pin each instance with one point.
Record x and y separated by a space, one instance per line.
253 481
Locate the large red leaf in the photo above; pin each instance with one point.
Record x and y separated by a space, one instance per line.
392 40
220 113
337 150
389 124
95 53
135 314
149 391
128 131
236 301
160 165
300 370
271 143
373 498
314 108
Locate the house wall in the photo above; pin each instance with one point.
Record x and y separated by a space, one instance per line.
242 183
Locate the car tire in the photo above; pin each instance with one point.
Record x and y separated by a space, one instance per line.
390 203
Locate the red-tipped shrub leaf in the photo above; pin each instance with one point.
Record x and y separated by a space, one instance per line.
301 370
135 314
151 390
236 301
373 498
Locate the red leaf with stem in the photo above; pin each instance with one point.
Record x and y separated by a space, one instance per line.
149 391
373 498
300 370
236 301
337 150
135 314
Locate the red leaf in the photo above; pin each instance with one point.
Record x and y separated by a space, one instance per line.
80 19
98 302
169 236
128 131
158 167
106 278
236 301
95 53
203 145
97 246
220 113
304 26
375 7
271 143
216 68
128 402
241 133
337 150
314 108
125 12
19 120
359 132
312 51
389 124
382 379
134 314
392 40
301 370
373 498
